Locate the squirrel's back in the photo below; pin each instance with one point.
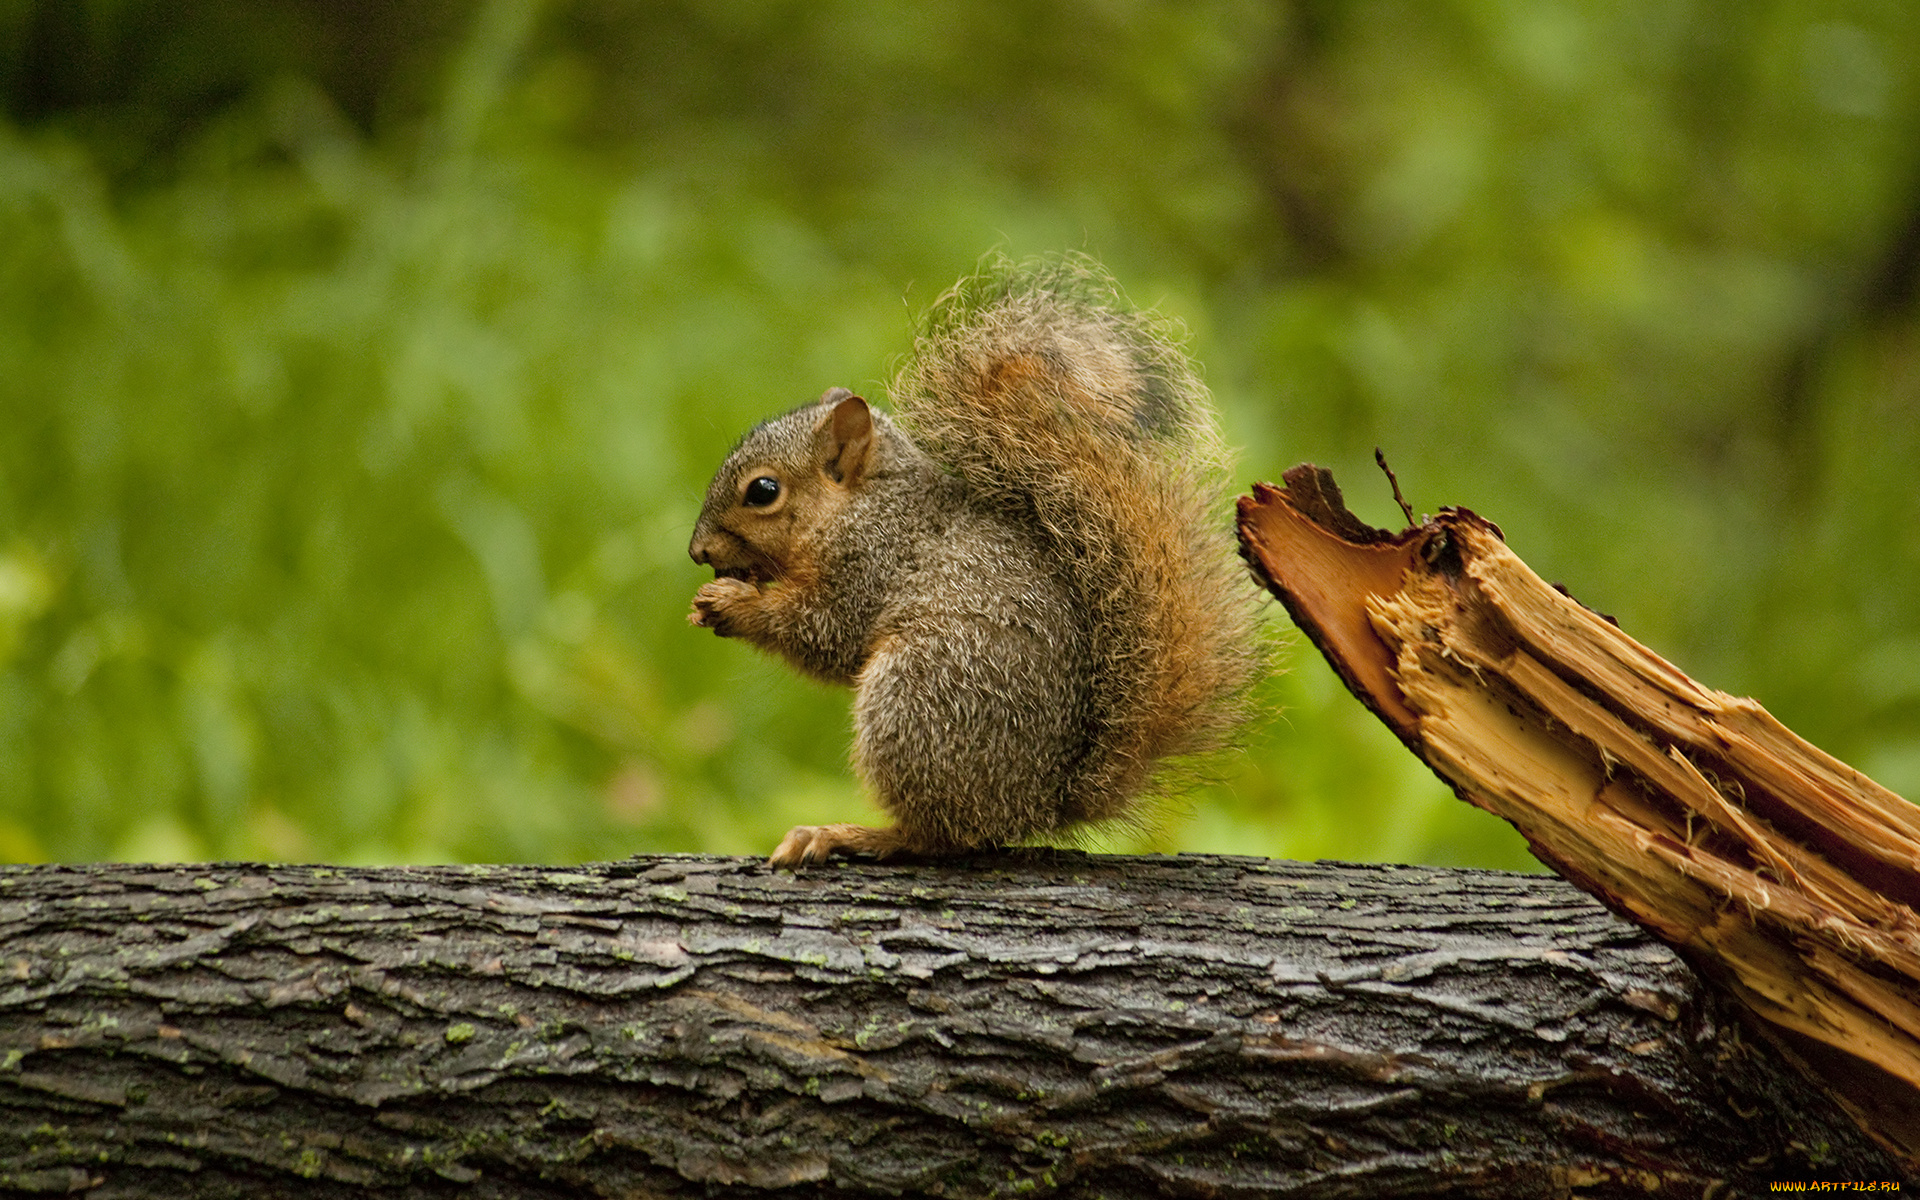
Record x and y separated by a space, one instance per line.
1064 410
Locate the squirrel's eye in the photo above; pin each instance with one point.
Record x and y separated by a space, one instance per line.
762 492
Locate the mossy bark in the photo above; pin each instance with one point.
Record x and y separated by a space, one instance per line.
1039 1021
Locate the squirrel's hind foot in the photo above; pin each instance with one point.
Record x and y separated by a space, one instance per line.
806 844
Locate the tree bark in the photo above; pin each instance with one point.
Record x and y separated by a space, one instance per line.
1790 879
1038 1021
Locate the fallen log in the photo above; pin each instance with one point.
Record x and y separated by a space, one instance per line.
1783 875
1037 1021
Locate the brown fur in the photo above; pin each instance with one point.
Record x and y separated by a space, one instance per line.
1025 579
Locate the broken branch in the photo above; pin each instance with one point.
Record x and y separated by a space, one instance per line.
1780 872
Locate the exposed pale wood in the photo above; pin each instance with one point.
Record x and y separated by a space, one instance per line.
1328 568
1781 872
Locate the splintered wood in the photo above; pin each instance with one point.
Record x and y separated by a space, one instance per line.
1780 872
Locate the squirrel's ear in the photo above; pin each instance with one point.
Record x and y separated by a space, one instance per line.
849 438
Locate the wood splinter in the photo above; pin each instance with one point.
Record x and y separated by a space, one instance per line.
1780 872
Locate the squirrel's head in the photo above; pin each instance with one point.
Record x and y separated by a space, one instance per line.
786 478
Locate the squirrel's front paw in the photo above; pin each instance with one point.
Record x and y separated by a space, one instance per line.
714 602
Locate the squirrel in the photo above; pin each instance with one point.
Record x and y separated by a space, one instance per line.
1020 573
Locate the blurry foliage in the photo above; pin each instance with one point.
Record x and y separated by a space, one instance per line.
361 368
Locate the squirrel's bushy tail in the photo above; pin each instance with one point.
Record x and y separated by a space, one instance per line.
1056 401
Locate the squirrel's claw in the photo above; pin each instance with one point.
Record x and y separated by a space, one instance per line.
803 844
806 844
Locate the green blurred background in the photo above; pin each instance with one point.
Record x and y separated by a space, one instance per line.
362 365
